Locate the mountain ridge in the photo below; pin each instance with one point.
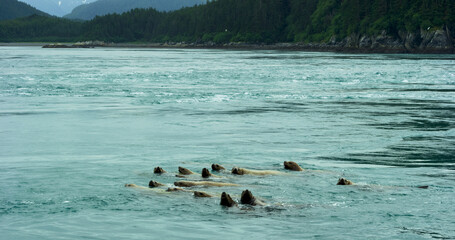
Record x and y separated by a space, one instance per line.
57 8
104 7
11 9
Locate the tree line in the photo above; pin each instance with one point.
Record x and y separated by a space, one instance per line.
251 21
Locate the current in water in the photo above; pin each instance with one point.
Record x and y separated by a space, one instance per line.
78 124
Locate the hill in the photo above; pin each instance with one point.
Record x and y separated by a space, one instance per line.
10 9
104 7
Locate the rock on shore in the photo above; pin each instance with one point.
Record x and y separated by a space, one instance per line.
87 44
425 41
438 41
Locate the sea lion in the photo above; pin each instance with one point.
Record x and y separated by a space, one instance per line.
217 167
206 173
185 171
248 198
153 184
131 185
176 190
227 201
243 171
343 181
203 183
201 194
158 170
293 166
157 190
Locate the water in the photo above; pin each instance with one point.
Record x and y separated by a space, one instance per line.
77 124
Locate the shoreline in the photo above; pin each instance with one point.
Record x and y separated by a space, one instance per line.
304 47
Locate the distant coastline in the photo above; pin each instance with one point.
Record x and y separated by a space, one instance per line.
305 47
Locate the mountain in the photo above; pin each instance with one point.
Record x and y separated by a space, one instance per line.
10 9
104 7
56 7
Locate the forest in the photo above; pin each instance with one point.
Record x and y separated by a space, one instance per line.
10 9
249 21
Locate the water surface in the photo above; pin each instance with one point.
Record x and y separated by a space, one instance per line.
77 124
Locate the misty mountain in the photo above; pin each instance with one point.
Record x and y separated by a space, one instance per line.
104 7
10 9
56 7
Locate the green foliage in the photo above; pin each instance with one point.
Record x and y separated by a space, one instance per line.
222 37
37 28
345 17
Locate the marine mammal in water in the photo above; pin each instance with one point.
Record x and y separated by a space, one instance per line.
185 171
174 189
203 183
343 181
153 184
131 185
206 173
201 194
158 170
217 167
293 166
170 189
248 198
243 171
195 193
226 200
154 189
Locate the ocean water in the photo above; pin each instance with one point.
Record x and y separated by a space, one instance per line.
76 125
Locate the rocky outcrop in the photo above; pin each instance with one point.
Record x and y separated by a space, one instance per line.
425 41
87 44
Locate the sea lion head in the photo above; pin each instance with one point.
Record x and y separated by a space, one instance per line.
185 171
174 189
206 173
247 198
158 170
343 181
153 184
290 165
201 194
217 167
237 171
226 200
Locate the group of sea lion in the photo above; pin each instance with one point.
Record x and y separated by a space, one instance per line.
246 197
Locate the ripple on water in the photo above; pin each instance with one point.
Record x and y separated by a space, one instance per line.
78 125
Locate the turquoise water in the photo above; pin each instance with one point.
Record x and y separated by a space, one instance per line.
77 124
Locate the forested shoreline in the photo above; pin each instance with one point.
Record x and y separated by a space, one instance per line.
373 25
